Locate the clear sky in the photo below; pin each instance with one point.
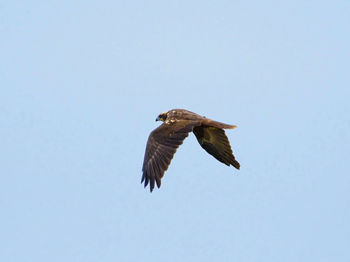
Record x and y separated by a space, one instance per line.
82 83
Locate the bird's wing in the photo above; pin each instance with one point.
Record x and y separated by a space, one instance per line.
215 142
161 146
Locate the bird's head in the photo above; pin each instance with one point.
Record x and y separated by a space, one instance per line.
162 116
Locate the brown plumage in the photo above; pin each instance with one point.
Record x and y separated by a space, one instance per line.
177 124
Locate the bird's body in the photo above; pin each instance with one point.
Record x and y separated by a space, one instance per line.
177 124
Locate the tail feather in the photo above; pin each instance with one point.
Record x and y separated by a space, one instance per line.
217 124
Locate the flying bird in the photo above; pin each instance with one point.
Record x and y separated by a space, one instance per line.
164 140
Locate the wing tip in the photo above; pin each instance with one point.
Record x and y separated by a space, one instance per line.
145 180
152 185
236 164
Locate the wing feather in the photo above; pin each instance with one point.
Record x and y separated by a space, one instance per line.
161 146
216 143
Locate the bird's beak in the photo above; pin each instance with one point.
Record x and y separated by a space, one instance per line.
158 118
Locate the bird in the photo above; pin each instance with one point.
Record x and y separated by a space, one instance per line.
163 142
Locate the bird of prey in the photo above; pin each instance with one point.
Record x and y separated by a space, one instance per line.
177 124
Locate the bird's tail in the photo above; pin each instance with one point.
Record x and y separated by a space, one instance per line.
217 124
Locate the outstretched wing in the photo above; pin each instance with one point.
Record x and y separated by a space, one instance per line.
161 146
215 142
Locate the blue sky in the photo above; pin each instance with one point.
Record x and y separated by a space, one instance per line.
81 85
